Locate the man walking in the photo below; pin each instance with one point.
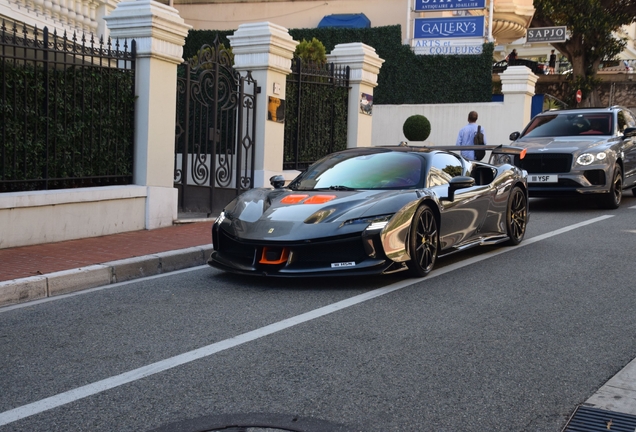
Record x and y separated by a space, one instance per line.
466 136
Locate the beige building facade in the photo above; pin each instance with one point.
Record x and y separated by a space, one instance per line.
510 17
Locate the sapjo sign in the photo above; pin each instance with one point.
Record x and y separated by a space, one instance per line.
429 5
546 34
452 27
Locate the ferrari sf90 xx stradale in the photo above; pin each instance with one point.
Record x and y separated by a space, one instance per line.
373 210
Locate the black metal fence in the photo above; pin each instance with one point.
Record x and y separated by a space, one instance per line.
66 111
315 113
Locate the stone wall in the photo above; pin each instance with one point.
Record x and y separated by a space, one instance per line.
616 89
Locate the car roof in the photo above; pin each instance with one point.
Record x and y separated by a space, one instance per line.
403 147
587 110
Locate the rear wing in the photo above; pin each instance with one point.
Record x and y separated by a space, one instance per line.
495 152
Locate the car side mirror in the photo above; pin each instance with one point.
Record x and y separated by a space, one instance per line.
277 181
456 183
629 132
513 136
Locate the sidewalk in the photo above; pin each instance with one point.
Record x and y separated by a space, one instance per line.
38 271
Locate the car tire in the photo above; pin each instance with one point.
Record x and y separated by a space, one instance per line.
612 200
423 242
634 192
516 216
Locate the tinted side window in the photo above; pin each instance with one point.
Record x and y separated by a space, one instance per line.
443 168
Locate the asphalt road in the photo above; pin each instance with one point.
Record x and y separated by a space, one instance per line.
494 339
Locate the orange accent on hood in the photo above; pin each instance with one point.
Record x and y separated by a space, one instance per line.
523 153
319 199
293 199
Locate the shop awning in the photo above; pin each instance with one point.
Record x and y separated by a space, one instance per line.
359 20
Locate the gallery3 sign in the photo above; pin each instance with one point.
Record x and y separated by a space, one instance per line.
455 27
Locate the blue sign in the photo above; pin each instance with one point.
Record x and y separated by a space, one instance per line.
452 27
429 5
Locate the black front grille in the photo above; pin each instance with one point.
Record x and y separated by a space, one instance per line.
324 251
345 250
595 177
549 163
229 247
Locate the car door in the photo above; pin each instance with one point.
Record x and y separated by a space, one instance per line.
462 218
627 120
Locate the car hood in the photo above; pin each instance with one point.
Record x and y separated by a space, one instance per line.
560 144
283 214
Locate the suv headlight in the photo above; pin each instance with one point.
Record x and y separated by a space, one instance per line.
588 158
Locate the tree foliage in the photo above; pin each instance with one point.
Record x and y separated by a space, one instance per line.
591 24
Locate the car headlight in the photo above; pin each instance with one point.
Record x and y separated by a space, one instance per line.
375 223
588 158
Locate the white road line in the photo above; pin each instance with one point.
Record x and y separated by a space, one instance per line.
163 365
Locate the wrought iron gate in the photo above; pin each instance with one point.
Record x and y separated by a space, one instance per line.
214 140
315 113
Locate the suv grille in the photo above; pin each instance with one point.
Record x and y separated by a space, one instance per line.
537 163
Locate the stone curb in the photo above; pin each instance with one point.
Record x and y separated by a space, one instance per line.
66 281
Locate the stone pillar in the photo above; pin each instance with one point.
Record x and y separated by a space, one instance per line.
517 86
364 66
266 50
160 35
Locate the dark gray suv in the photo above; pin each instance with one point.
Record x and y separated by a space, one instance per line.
580 151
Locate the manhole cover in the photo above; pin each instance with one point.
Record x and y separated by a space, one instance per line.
253 423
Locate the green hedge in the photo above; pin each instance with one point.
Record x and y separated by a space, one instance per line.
79 134
405 78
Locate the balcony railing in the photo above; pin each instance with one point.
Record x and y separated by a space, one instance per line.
81 16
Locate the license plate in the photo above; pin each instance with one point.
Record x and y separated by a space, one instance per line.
551 178
344 264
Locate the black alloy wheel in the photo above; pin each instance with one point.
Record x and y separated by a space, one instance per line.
612 199
516 216
423 240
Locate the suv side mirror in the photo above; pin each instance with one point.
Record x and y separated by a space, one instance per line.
629 132
456 183
513 136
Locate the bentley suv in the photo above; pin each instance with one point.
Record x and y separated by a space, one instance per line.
588 151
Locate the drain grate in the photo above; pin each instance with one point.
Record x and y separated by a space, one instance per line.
588 419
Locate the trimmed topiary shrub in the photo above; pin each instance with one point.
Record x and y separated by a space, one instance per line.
416 128
312 51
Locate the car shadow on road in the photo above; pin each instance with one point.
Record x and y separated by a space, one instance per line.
334 283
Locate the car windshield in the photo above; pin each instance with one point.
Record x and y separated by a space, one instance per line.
378 170
568 124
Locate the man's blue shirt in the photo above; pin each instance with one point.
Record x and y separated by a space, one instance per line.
466 136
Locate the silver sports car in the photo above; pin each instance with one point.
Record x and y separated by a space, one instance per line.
577 152
373 210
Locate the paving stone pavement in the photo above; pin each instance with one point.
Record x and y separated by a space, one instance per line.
43 270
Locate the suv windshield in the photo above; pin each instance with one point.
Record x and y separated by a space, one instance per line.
568 124
344 171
